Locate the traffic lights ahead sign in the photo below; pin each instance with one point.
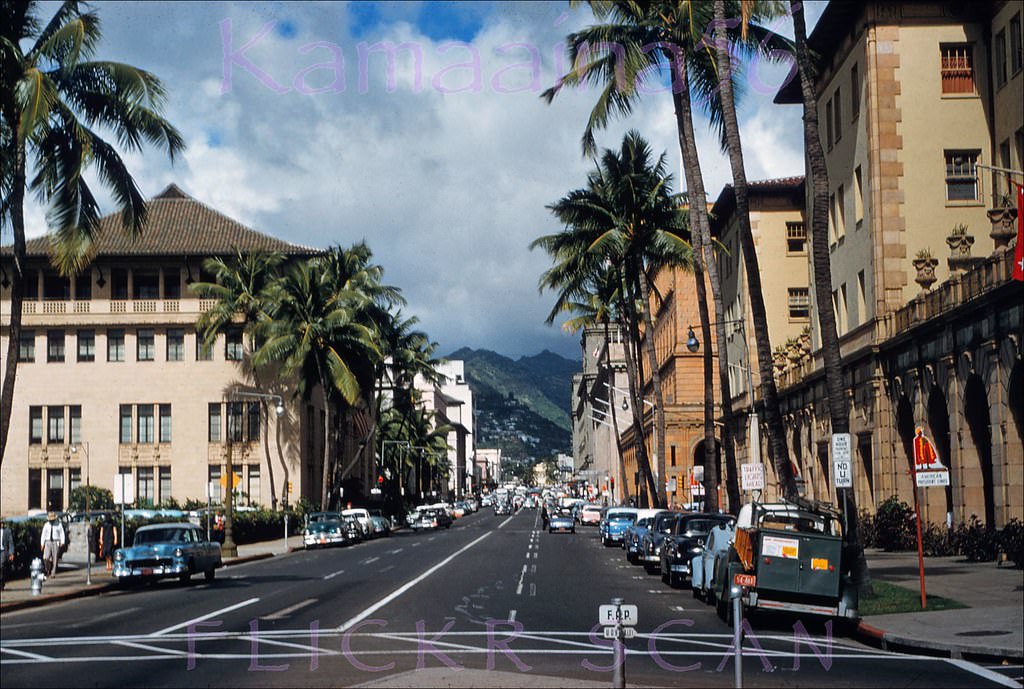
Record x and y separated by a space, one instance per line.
236 478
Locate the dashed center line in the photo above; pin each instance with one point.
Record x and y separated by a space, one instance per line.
369 561
333 574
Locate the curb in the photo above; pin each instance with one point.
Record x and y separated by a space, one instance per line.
38 601
888 641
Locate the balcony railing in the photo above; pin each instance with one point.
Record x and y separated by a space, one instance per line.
116 306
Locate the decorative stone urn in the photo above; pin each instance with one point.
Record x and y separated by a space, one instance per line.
960 243
1004 226
925 265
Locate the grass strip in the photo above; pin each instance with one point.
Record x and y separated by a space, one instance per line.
889 599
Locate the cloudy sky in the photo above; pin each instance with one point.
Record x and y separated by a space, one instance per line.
443 163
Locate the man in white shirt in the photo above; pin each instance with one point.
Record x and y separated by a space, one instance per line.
51 542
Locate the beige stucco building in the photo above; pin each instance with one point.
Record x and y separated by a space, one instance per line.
113 378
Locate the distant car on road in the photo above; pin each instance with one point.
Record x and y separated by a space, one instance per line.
590 515
167 550
562 521
616 520
432 518
328 532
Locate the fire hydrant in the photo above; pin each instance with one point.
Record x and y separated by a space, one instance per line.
37 576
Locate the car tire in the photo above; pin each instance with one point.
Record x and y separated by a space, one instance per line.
551 530
186 576
573 530
210 574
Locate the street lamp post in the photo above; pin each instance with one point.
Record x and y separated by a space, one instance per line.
403 445
229 548
88 516
754 438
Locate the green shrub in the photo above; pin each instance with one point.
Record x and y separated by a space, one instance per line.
937 541
1011 541
894 526
263 525
976 541
99 499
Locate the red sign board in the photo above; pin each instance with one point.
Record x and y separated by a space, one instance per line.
749 580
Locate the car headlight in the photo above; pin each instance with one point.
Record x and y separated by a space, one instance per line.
179 553
119 555
305 532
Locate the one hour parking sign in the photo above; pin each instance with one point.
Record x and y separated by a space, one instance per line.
842 465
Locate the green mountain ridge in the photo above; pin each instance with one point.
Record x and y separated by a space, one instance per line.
522 406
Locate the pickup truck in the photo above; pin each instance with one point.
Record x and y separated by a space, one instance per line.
791 558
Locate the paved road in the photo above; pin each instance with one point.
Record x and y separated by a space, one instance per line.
436 608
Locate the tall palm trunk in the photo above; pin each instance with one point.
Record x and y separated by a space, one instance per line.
623 483
265 420
839 413
327 474
769 391
709 363
659 400
17 211
699 224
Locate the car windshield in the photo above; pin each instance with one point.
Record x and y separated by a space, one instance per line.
698 526
621 517
644 522
664 523
160 536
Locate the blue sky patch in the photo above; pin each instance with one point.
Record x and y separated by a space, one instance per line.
286 29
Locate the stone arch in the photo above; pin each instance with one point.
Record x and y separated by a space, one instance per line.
938 424
976 416
905 428
1015 397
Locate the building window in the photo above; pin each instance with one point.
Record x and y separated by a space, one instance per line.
840 212
254 484
957 68
118 284
115 345
35 425
253 422
845 304
858 196
145 344
1016 51
125 435
862 299
35 488
828 124
854 92
55 489
144 493
233 348
55 346
832 236
796 238
204 352
27 346
145 433
672 454
799 303
87 345
146 285
961 175
1000 66
75 423
838 112
165 483
172 283
56 287
83 286
175 344
31 285
214 414
55 425
214 483
74 478
235 422
165 423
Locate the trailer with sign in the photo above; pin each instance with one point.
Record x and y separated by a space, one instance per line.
790 557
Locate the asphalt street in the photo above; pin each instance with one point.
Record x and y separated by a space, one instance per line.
492 593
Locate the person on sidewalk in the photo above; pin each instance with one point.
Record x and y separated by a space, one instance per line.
108 541
6 551
52 541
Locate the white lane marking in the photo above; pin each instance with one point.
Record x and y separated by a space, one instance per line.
982 672
415 544
519 588
196 620
284 612
396 551
533 589
512 616
99 618
505 522
431 538
333 574
381 571
151 649
405 587
369 560
533 569
26 654
314 650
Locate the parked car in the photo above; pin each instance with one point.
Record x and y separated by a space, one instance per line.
614 524
650 545
590 515
326 532
714 551
562 521
432 518
363 517
632 537
167 550
685 542
381 525
322 516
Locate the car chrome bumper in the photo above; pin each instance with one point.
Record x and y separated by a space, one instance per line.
157 571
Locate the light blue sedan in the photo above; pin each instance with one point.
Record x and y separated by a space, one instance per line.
162 551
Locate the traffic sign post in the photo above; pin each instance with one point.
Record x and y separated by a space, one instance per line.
928 471
752 476
842 470
619 622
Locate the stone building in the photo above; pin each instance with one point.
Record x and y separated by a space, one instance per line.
114 380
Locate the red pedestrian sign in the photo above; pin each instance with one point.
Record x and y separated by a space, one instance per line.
928 468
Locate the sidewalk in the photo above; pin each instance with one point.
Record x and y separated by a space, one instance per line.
990 627
70 581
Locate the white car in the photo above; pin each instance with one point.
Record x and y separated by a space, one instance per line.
362 516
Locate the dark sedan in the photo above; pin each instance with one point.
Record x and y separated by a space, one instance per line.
684 542
650 544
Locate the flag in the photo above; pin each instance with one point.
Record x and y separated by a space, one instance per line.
1018 255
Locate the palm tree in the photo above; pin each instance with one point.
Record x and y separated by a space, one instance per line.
759 318
635 45
312 332
839 412
53 96
627 217
240 291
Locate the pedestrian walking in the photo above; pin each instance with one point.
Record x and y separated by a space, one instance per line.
6 551
544 517
108 541
52 541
